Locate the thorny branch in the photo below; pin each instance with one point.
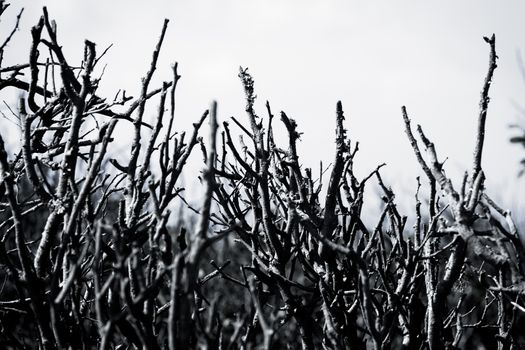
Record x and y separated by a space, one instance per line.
96 252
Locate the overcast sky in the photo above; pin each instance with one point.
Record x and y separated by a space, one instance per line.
305 55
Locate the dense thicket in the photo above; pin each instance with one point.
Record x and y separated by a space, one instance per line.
89 258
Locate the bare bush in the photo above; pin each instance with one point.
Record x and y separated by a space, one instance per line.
90 260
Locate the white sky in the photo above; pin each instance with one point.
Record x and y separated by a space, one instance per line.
305 55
